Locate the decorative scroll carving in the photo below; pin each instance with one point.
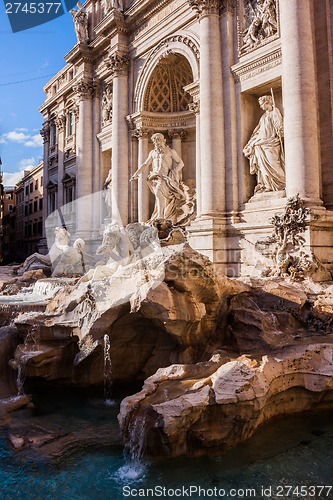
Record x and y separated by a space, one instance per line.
205 7
117 63
288 240
60 121
107 99
75 110
83 89
260 23
194 107
45 132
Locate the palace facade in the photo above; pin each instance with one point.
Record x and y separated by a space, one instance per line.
194 70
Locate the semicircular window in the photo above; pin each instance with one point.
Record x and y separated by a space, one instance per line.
165 91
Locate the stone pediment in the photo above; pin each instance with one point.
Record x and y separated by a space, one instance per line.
68 178
52 185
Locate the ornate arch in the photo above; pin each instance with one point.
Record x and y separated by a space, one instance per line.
181 43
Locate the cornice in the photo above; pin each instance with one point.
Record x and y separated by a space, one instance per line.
247 69
114 20
79 52
140 12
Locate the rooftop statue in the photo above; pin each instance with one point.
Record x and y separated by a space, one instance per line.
265 148
80 18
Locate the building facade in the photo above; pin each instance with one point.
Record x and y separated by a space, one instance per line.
29 212
194 71
8 241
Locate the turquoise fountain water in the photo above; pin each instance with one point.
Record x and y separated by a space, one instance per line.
294 451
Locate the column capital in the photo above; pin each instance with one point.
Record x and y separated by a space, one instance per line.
228 6
177 133
117 63
141 133
194 107
205 7
45 131
84 89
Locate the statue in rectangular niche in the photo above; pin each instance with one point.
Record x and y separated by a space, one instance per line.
265 148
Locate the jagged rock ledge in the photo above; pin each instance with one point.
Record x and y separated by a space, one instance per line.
209 407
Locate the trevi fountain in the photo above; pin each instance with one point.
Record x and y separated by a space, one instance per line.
139 367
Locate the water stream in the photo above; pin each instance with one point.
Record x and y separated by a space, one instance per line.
107 372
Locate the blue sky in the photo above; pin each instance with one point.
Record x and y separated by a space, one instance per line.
30 57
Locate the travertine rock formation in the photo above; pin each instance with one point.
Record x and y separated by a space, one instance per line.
8 342
208 407
168 307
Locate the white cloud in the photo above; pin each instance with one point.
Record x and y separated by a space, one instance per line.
16 136
27 162
11 178
19 135
35 141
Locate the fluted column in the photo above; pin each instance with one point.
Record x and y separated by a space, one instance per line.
60 123
301 135
143 189
211 109
195 108
96 180
118 64
45 133
84 91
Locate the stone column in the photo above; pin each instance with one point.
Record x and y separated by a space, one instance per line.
118 64
60 123
228 21
211 110
84 91
299 101
45 133
177 136
96 179
195 108
143 189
